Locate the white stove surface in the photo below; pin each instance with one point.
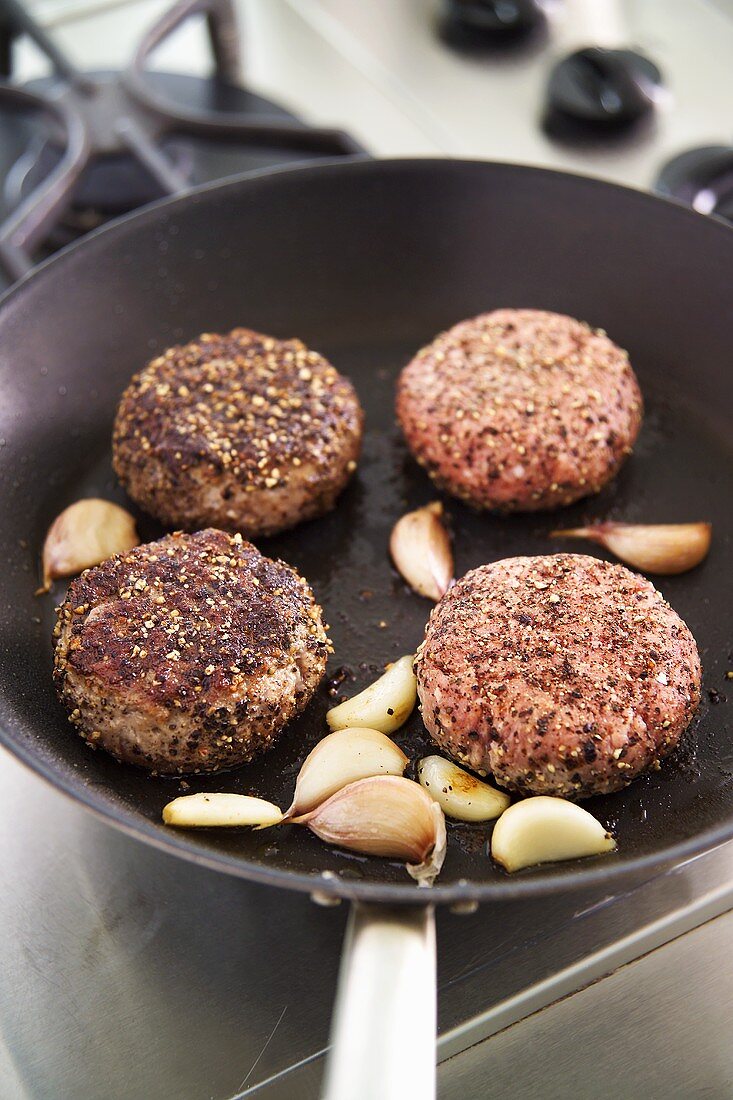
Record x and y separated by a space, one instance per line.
127 974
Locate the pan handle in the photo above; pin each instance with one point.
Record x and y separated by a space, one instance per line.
384 1026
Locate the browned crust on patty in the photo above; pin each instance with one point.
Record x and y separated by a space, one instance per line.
519 409
560 674
188 654
241 431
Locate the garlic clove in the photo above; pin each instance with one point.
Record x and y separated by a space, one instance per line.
220 809
460 795
421 550
342 758
546 830
385 705
663 548
85 534
426 872
384 815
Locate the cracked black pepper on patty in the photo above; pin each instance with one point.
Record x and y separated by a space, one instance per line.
242 432
520 409
189 654
560 674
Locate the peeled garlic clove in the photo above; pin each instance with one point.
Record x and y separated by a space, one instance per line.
545 830
220 809
421 550
85 534
385 705
342 758
384 815
460 795
653 548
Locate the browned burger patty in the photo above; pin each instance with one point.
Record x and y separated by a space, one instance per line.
242 432
519 410
189 654
561 675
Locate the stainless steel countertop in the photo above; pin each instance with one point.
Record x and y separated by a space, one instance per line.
658 1029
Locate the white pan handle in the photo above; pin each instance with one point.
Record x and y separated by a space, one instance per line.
384 1027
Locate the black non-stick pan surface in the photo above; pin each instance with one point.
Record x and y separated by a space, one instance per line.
366 261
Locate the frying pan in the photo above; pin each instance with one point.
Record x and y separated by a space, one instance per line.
366 261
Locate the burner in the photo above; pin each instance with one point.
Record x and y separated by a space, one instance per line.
702 178
598 91
116 181
110 142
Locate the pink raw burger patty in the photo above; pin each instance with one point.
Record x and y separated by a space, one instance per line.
561 674
520 410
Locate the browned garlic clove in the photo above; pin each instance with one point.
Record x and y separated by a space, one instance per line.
460 795
421 550
219 809
85 534
384 815
543 829
384 705
663 548
342 758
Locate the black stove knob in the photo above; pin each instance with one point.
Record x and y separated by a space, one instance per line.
476 23
603 89
701 178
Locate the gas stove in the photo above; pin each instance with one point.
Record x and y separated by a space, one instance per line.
638 91
130 974
78 148
603 88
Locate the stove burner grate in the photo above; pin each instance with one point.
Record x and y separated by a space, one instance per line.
115 141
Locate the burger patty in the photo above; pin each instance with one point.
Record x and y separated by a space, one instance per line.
561 675
189 654
242 432
520 410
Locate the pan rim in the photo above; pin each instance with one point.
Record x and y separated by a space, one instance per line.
510 888
182 845
358 162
